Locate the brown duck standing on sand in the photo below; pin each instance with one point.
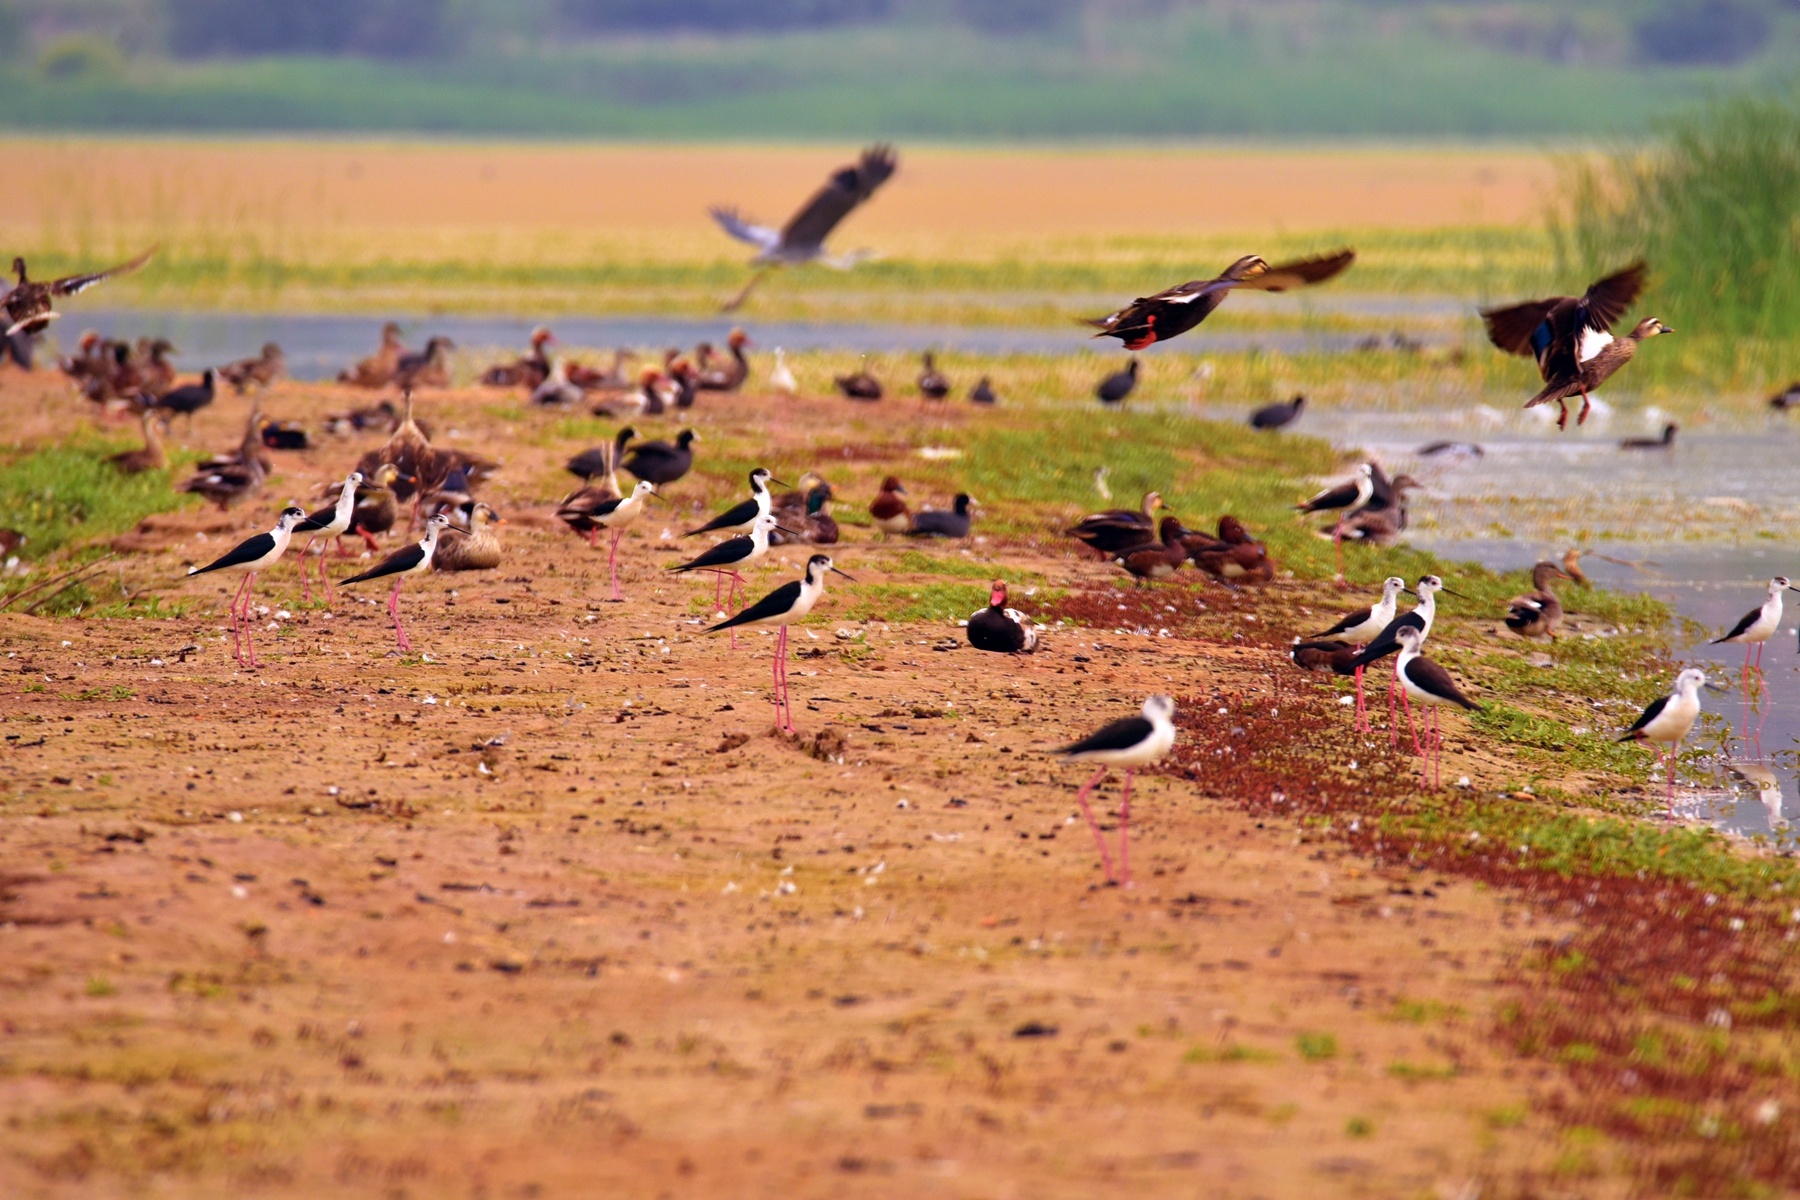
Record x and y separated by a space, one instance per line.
732 376
1167 314
1119 529
1156 560
1232 558
28 304
151 458
1537 613
429 368
261 371
1571 339
156 374
377 370
474 549
889 507
528 371
423 467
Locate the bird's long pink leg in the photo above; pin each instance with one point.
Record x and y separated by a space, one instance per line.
784 717
718 590
1393 717
249 640
1125 834
305 572
330 592
231 611
1437 751
1411 727
1081 798
394 612
1362 709
612 564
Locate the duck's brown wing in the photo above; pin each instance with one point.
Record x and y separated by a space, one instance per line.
1299 273
68 285
1510 328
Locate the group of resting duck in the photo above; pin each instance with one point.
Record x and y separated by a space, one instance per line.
138 377
562 382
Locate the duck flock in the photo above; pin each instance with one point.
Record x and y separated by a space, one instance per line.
427 494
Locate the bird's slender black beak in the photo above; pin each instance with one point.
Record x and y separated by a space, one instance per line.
851 578
778 482
654 495
790 532
1448 592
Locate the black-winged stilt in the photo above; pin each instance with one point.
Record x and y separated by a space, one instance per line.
1346 500
742 516
330 524
1129 743
1387 642
730 556
782 607
587 514
1668 720
1757 626
402 563
250 556
1431 685
1362 627
1001 629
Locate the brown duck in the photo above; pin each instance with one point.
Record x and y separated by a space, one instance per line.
889 507
1156 560
529 371
1537 613
377 370
1233 557
429 368
28 304
1119 529
260 372
153 457
1151 319
474 549
732 376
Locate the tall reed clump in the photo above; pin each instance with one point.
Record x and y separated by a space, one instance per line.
1714 204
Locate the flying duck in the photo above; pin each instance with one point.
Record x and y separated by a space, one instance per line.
1571 339
802 239
1000 629
28 304
1152 319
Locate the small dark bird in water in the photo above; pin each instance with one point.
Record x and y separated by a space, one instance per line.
983 393
1451 450
1274 416
1666 441
1120 384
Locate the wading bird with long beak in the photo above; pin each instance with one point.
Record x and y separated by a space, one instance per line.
28 304
1571 337
1151 319
328 523
251 556
1347 500
1757 626
1430 685
1129 743
402 564
802 239
587 512
1667 721
1362 627
790 602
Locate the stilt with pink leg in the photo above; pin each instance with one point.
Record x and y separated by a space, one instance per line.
789 603
1755 628
1423 680
251 556
1667 721
402 564
727 558
1387 642
1129 743
329 524
588 512
1346 500
1363 627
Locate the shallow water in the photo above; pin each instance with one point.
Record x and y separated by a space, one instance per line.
318 346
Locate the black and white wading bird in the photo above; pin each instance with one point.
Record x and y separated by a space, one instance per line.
1757 626
29 305
1428 684
782 607
251 556
402 564
742 516
1362 627
330 524
731 556
588 515
1421 618
1346 500
1667 721
1128 743
1152 319
802 239
1001 629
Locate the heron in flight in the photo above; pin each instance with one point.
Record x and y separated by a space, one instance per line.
802 239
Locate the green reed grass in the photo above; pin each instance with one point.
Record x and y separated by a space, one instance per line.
1713 203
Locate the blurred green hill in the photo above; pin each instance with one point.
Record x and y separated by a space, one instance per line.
954 69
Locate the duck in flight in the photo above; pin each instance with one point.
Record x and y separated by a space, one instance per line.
1151 319
1571 337
28 304
802 239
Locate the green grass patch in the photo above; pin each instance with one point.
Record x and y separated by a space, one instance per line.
58 495
930 602
1316 1047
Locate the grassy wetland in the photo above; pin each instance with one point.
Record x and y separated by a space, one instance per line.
453 920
